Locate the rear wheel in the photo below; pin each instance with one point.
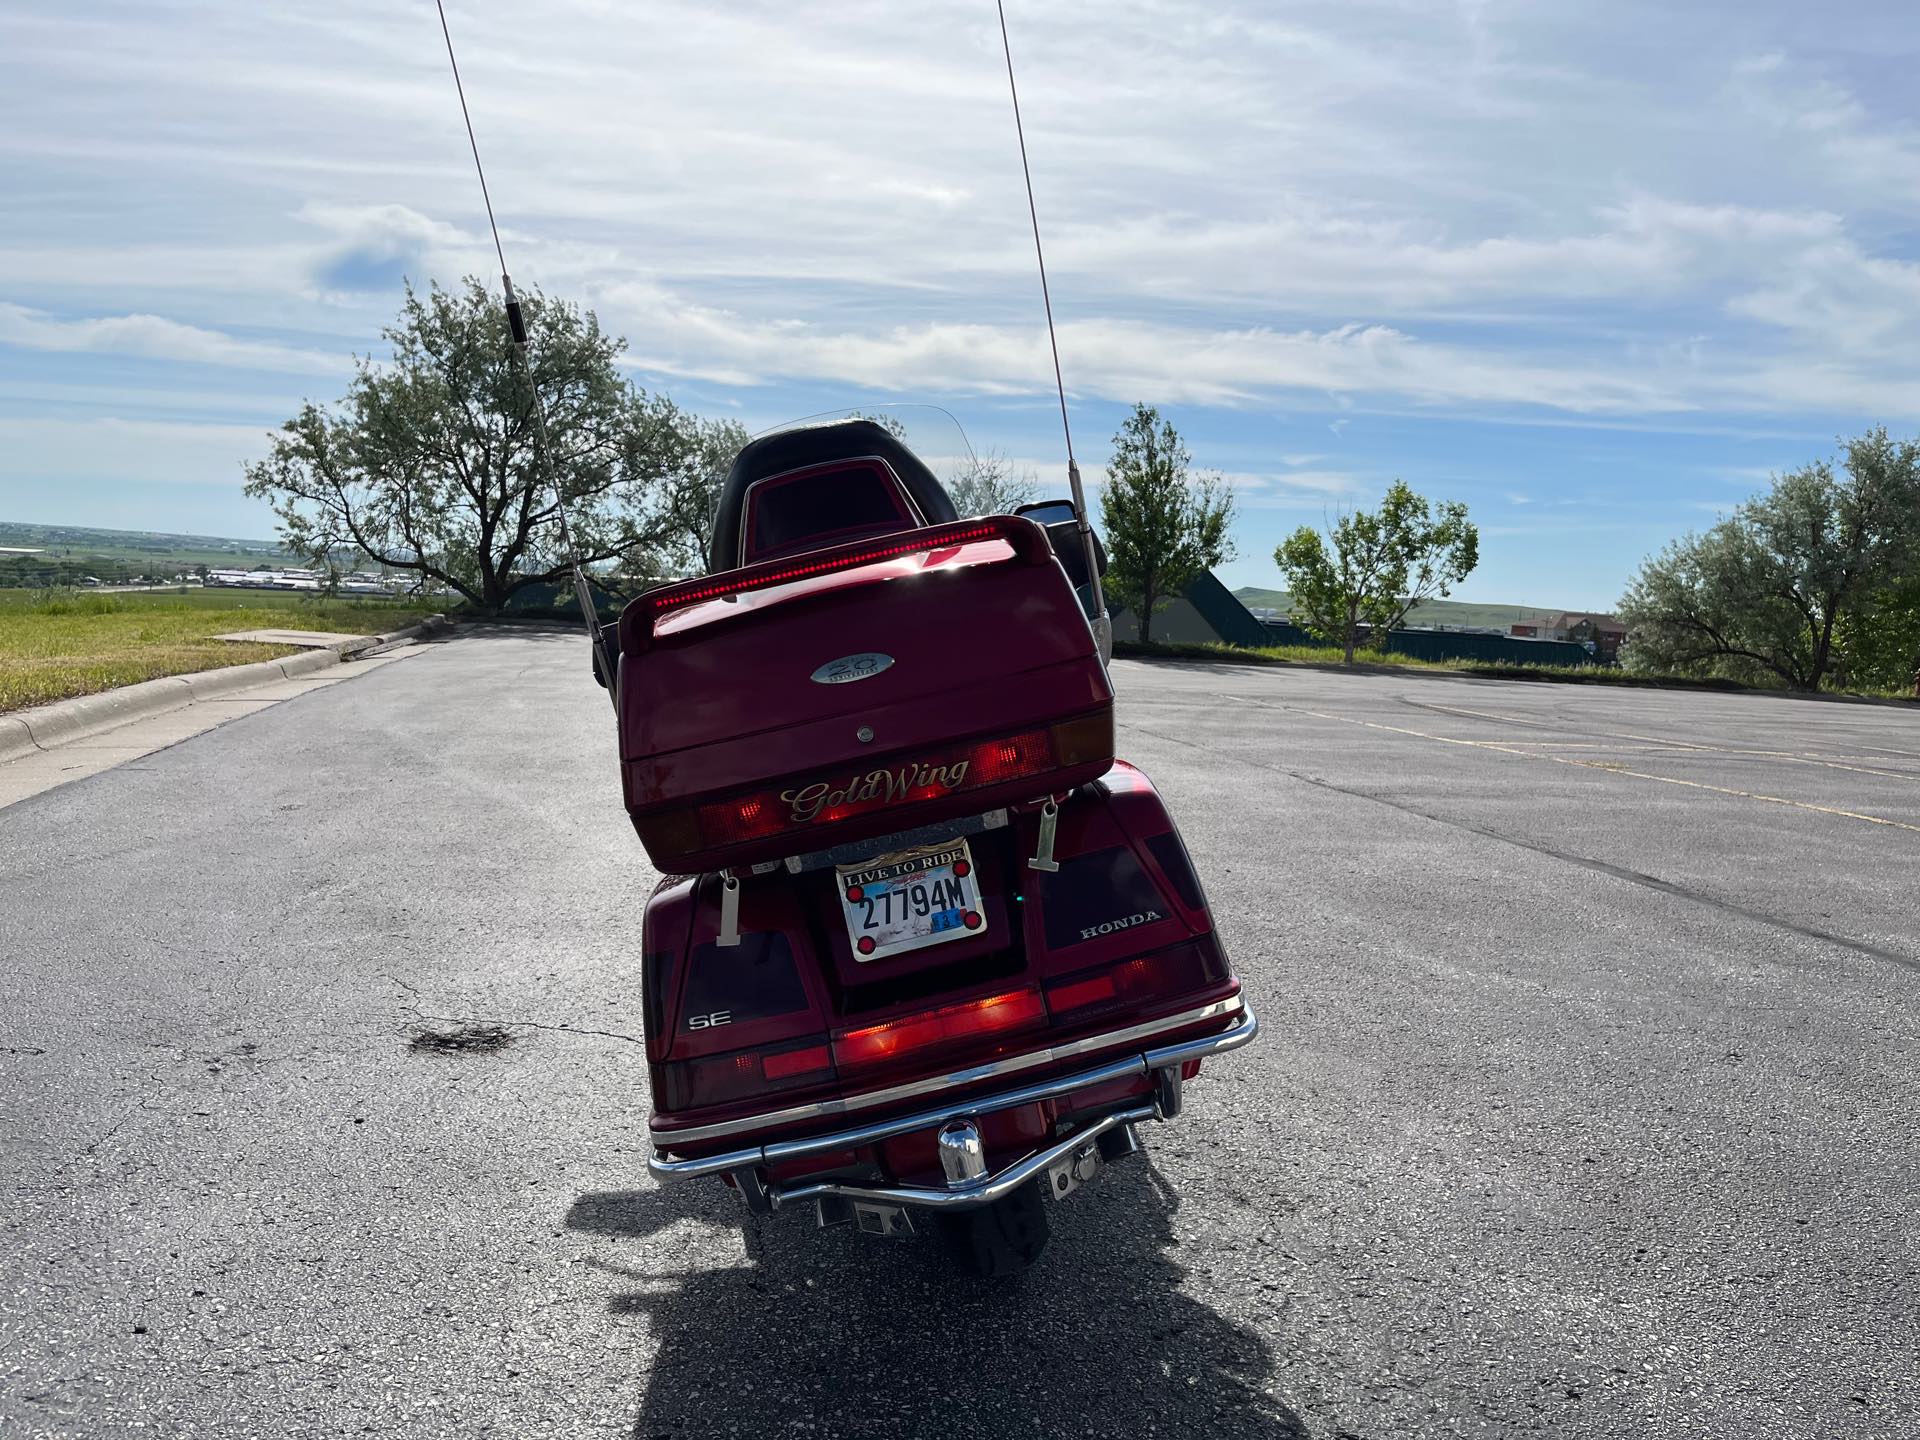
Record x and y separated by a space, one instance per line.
1003 1238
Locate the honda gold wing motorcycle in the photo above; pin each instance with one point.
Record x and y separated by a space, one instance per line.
925 954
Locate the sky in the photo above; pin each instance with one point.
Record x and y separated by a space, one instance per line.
1595 267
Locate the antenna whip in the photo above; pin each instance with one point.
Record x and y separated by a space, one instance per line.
517 327
1102 626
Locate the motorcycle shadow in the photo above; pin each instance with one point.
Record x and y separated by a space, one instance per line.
833 1334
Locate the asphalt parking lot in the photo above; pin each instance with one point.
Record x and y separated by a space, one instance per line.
1585 1103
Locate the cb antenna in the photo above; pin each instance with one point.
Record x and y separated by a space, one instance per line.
517 327
1102 625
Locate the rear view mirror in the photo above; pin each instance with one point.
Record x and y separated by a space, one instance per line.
1046 512
1063 530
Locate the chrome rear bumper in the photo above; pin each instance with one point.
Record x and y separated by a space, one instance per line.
1162 1063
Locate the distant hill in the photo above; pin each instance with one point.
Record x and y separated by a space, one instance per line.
1428 612
37 555
94 541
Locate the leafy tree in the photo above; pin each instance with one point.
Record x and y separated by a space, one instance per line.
991 486
687 510
1881 638
428 465
1163 526
1380 565
1781 588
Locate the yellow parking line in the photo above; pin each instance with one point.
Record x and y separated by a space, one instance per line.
1613 768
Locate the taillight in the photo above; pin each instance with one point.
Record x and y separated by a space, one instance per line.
928 775
995 761
717 1079
764 576
1024 540
1139 981
929 1029
787 1064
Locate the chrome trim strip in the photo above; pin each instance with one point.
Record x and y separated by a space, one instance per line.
823 1109
778 1150
983 1191
1218 1043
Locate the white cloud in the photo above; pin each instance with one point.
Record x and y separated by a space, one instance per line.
1431 207
153 337
1117 359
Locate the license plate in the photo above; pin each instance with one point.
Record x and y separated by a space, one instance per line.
910 899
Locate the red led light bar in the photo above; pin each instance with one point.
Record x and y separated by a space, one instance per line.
968 1019
733 582
1029 542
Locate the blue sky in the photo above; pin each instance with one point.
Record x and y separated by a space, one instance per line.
1594 267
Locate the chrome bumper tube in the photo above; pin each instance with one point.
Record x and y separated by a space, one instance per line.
988 1188
984 1191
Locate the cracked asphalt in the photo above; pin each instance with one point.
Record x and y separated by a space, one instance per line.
1585 1103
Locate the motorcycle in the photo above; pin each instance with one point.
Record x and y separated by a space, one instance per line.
924 952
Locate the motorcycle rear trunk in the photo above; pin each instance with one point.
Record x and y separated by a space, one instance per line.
967 679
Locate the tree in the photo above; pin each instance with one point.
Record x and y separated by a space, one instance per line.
687 513
991 486
428 465
1381 564
1880 639
1163 526
1795 578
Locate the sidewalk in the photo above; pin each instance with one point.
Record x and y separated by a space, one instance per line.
55 744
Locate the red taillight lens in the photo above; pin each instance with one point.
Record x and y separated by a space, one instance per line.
733 822
718 1079
930 775
1144 978
810 1060
927 1029
1013 758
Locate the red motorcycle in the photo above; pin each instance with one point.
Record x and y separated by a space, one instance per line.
924 948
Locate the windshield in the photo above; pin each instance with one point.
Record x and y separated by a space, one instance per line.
931 433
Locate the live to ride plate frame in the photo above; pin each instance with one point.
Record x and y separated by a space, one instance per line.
909 900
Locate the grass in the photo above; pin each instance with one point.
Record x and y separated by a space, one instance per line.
1317 655
1427 612
1328 658
58 644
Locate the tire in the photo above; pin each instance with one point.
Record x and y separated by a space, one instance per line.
1003 1238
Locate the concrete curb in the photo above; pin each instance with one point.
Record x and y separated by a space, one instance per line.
46 727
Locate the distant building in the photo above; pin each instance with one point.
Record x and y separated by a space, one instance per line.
1603 635
1206 612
